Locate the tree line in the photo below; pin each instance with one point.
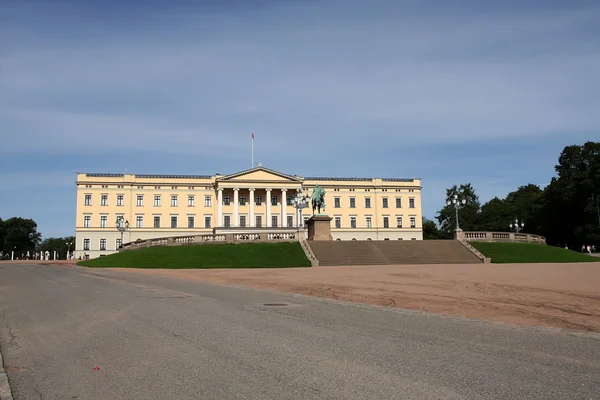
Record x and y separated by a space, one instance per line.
566 211
21 235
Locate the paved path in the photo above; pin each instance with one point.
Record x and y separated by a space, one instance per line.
163 338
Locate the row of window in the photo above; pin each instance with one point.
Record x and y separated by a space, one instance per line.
384 200
175 200
242 201
191 221
103 243
369 222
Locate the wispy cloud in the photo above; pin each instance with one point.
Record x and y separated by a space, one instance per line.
392 88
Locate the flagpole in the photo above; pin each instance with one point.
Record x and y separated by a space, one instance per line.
253 148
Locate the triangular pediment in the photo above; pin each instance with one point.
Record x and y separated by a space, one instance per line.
259 174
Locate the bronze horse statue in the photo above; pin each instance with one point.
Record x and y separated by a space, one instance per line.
318 199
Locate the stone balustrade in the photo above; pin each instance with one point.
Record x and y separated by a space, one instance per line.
499 237
285 236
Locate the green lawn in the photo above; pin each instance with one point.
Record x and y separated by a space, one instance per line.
244 255
529 253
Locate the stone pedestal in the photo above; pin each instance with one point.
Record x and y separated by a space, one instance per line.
319 227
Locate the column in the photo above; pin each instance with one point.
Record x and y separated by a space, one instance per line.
268 201
283 208
252 222
236 217
220 207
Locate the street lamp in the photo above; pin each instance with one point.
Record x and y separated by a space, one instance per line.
457 204
69 244
517 225
300 202
122 226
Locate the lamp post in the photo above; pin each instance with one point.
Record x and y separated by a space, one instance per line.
595 197
122 226
69 244
457 204
517 225
300 202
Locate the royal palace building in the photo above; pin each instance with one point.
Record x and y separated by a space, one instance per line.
259 199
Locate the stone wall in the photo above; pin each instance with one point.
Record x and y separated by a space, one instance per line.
499 237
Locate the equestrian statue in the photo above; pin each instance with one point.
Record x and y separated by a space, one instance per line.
318 199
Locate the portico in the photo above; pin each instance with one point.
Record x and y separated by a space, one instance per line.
257 198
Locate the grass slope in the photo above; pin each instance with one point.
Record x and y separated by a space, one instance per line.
529 253
244 255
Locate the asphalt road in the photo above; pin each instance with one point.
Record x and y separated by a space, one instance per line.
163 338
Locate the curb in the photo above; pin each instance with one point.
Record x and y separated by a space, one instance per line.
5 392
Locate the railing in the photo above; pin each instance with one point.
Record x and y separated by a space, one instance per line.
499 237
286 236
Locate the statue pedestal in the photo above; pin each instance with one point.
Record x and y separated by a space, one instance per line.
319 227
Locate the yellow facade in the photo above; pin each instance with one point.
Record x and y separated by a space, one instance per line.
177 205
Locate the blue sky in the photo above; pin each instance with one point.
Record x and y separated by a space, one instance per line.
448 91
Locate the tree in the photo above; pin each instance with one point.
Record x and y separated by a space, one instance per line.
566 213
495 216
430 230
20 235
58 244
468 214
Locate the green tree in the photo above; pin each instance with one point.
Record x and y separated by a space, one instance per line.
468 214
430 230
565 212
495 216
20 235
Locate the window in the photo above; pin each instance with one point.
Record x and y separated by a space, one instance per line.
227 222
174 200
242 200
258 221
411 203
88 200
140 200
102 244
139 221
413 222
207 201
156 200
103 221
274 221
191 222
352 222
386 222
352 202
173 221
273 200
290 221
86 244
385 202
191 201
207 222
87 220
258 200
104 200
367 202
118 244
289 200
243 221
336 202
226 200
369 222
398 202
157 221
398 222
120 199
338 222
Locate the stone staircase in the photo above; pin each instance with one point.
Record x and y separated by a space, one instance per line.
386 252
